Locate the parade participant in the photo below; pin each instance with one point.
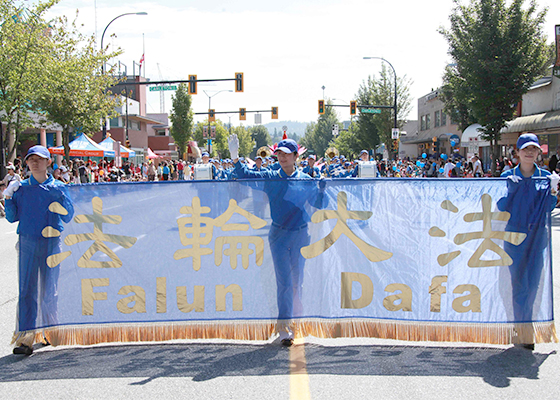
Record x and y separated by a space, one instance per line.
288 232
32 206
528 215
10 176
365 168
206 170
448 168
311 169
258 164
477 167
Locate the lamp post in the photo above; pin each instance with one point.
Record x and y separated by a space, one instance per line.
395 75
210 97
103 64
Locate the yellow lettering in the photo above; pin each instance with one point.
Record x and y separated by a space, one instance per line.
198 300
347 279
405 298
88 295
236 297
473 298
436 290
138 297
161 295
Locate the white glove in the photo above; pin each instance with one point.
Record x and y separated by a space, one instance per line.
14 186
515 178
554 179
233 144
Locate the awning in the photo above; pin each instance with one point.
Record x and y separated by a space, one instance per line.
535 123
108 144
83 146
472 135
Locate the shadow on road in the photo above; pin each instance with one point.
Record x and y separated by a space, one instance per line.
203 362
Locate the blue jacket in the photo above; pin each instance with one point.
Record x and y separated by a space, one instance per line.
287 200
30 206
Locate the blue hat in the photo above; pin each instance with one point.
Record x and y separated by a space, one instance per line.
259 158
287 146
347 163
364 151
39 150
205 154
527 139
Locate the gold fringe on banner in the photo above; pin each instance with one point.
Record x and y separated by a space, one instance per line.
508 333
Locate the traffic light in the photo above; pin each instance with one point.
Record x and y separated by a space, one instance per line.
321 106
435 144
242 114
192 84
352 108
239 81
274 112
127 144
211 115
395 145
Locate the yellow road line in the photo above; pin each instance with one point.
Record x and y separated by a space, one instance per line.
299 380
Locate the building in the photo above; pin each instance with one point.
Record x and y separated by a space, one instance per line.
435 131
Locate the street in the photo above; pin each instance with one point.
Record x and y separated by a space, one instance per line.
313 368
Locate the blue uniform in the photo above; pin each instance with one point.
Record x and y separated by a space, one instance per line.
529 204
30 206
288 233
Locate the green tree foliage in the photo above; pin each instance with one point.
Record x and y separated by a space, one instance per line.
319 136
24 45
219 143
373 129
246 142
73 93
261 137
498 51
181 117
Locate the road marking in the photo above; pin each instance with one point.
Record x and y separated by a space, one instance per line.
299 380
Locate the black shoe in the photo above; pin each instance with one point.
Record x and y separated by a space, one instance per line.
529 346
287 342
23 349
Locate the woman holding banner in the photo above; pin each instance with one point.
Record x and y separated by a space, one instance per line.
288 232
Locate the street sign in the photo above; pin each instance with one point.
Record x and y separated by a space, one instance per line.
335 129
371 110
395 133
162 88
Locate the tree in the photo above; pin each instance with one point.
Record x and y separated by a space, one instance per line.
261 137
498 51
374 129
246 142
181 117
24 44
73 94
219 143
319 136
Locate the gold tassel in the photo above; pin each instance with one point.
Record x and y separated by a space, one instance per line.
537 332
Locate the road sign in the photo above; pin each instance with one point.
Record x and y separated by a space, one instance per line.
162 88
335 129
371 110
395 133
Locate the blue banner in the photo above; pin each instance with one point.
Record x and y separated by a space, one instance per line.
412 259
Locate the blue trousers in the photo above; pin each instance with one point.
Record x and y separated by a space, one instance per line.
285 246
38 284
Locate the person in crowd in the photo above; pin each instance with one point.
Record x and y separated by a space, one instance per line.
528 214
11 175
30 202
288 232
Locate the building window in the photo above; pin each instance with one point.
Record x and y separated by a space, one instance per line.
437 120
443 119
423 123
427 121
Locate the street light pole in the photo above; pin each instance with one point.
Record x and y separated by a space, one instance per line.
103 64
395 75
210 97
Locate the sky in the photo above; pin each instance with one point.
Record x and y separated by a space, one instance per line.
288 49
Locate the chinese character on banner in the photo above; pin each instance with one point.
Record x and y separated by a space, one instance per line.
196 231
342 214
486 216
98 219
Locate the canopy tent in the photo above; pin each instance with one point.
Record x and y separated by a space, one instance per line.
151 154
83 146
108 144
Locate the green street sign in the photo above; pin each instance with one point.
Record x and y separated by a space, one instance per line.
162 88
371 110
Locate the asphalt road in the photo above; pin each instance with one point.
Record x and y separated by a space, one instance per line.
315 368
